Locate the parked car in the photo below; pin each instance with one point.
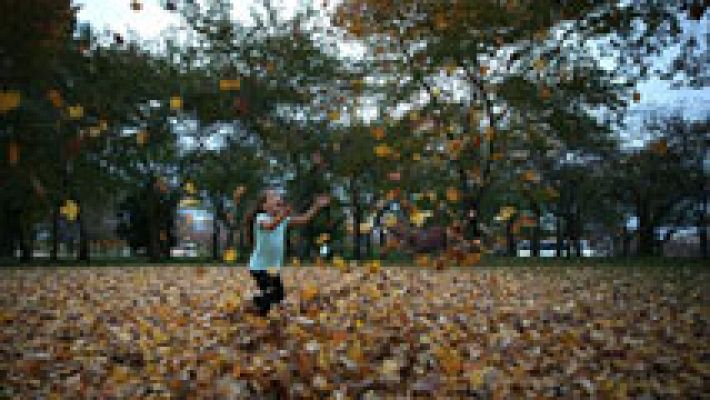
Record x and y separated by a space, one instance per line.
188 249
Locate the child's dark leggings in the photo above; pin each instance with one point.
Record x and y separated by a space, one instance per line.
272 289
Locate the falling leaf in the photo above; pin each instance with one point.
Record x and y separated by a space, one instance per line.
230 255
13 152
339 263
9 100
489 134
660 147
390 220
76 111
190 188
229 84
334 115
94 131
637 97
175 103
453 194
378 133
142 138
70 210
539 64
382 150
440 21
55 98
136 5
323 238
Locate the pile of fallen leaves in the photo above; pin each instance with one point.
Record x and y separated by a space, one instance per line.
364 333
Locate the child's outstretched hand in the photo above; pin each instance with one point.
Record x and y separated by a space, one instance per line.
286 210
322 200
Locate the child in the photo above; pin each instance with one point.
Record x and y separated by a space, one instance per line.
266 229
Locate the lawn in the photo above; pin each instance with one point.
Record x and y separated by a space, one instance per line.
503 332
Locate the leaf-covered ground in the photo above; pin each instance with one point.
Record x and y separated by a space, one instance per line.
181 332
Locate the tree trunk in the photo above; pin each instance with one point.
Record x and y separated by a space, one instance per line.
568 234
153 223
25 242
215 236
83 237
578 232
356 231
54 252
535 245
510 238
626 241
7 233
702 226
646 229
559 236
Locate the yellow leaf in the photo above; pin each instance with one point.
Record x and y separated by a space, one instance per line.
324 237
295 261
230 255
440 21
55 98
76 112
309 292
9 100
339 263
423 261
365 227
190 188
142 137
489 134
334 115
418 218
229 84
382 150
70 210
374 266
13 152
539 64
175 103
390 220
94 131
355 351
453 194
475 378
378 133
416 157
473 258
529 176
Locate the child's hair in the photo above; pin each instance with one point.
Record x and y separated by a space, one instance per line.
251 216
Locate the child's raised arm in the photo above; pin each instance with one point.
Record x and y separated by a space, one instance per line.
321 202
